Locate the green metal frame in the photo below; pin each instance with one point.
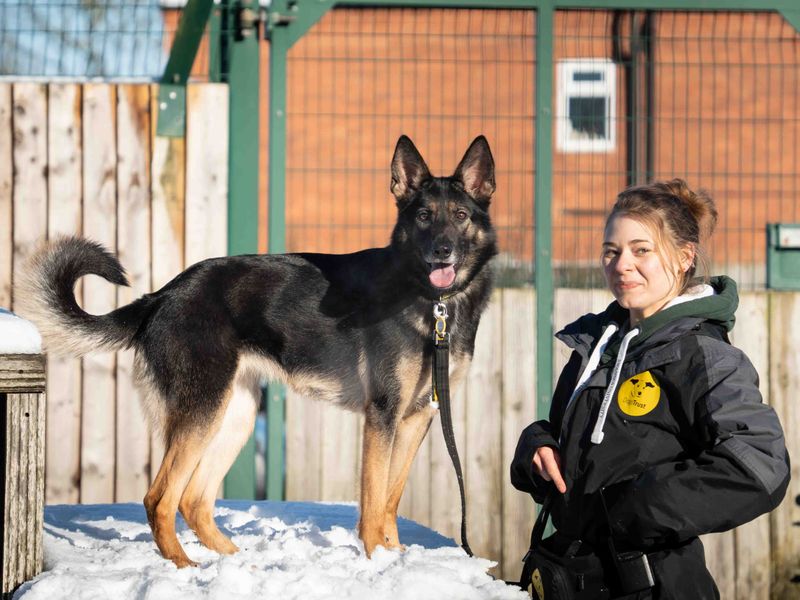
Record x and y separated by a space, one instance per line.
287 21
172 91
243 76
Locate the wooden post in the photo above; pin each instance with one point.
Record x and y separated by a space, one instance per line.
22 411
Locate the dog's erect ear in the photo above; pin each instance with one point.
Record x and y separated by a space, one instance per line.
409 170
476 171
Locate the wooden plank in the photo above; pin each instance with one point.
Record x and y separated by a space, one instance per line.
133 249
168 193
518 411
24 488
22 373
339 477
6 194
784 381
206 172
303 451
720 560
65 216
482 462
20 425
30 170
11 499
752 540
99 223
40 411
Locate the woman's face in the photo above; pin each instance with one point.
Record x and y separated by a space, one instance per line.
637 272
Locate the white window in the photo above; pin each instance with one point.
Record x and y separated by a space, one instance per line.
587 105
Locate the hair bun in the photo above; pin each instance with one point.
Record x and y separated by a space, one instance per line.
699 203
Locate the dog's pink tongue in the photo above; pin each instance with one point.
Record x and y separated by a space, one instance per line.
443 277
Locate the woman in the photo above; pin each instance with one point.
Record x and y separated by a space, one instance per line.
657 431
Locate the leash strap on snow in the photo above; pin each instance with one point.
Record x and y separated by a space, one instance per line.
441 395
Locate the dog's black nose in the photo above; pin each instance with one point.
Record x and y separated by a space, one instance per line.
443 251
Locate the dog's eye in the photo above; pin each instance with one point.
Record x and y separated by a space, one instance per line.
462 215
424 215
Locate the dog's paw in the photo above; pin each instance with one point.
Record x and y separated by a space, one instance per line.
395 546
184 561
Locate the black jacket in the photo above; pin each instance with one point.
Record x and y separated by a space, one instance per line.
687 446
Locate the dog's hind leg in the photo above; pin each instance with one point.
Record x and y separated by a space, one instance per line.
197 502
378 439
410 432
161 501
185 448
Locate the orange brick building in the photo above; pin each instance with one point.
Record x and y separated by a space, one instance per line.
716 98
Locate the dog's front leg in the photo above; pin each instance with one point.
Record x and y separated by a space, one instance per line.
410 432
378 439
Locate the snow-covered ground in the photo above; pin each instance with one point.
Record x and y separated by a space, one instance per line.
289 550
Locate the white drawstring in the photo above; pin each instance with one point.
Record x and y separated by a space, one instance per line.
591 366
597 433
594 360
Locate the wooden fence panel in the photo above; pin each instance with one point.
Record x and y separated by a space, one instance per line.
784 381
65 216
133 248
6 197
483 461
303 451
340 445
30 170
518 411
99 297
206 172
752 544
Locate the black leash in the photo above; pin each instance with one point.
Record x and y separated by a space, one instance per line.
441 395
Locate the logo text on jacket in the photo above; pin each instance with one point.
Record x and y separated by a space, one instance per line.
638 395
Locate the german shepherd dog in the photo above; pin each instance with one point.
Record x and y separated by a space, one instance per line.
355 329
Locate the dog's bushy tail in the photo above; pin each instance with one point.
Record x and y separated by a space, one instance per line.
45 294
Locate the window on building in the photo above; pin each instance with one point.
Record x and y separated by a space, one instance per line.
586 108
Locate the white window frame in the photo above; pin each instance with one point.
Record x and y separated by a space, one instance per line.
569 140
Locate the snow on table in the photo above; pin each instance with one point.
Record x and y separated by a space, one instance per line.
288 550
18 336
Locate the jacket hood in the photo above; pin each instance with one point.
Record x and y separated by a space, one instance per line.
697 305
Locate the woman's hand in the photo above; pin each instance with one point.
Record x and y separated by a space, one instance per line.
547 464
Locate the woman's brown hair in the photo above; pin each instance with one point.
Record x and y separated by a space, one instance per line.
677 216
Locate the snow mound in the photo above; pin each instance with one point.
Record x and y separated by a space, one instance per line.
288 550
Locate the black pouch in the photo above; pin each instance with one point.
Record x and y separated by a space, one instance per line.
633 569
555 569
556 576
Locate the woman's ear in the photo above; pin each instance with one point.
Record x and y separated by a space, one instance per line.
687 256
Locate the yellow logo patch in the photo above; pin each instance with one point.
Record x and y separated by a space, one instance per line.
638 395
536 583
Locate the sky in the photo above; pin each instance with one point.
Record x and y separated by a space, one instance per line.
83 39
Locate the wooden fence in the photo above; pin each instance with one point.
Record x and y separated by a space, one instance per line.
83 158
